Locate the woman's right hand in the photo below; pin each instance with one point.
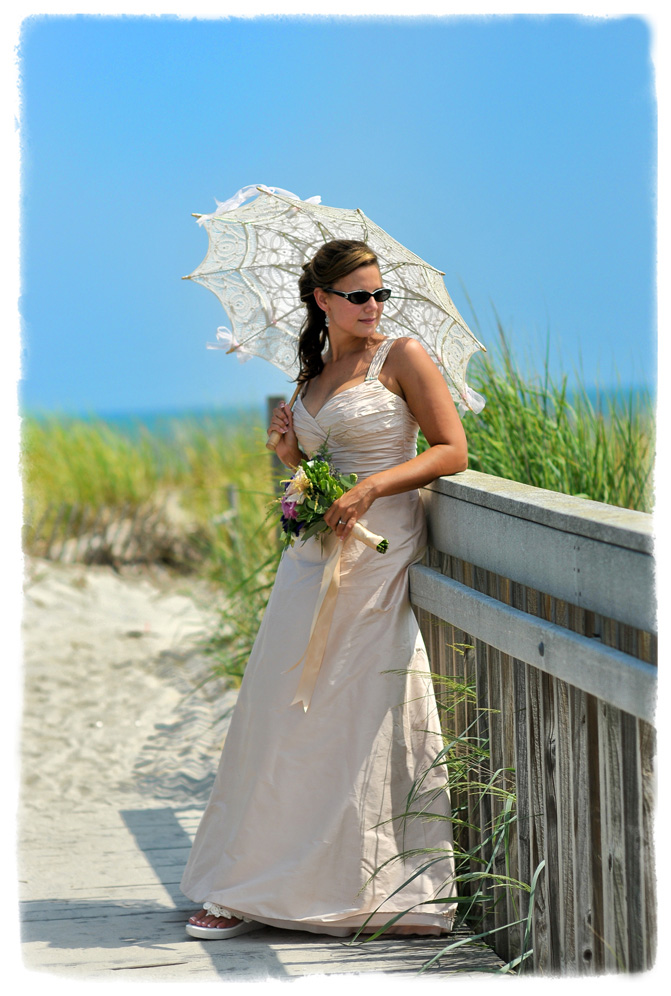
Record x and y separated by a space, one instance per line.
287 448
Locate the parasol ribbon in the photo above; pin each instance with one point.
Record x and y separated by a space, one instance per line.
226 340
244 193
319 630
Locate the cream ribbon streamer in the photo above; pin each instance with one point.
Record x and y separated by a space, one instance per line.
234 202
319 630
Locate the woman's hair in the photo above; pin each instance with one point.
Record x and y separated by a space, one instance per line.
334 260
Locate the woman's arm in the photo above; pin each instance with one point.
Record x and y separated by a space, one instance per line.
410 372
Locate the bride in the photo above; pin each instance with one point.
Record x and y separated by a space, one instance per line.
318 814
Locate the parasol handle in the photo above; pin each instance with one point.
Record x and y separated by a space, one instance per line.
274 437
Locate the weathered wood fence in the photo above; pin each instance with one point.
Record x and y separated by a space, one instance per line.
546 604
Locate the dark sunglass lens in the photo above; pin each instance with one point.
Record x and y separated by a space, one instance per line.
359 297
382 295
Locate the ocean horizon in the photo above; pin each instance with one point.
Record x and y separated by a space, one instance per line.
161 419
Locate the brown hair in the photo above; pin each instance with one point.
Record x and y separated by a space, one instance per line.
334 260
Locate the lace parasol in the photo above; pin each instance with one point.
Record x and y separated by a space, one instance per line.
253 262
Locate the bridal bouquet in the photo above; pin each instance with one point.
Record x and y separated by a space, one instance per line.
310 493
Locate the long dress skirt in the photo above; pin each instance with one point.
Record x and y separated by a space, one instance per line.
319 819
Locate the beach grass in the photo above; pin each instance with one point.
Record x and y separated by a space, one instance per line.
213 466
560 436
537 430
211 473
217 472
533 429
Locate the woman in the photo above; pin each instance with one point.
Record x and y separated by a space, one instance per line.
305 824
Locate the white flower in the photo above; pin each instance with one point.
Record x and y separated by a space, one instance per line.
298 486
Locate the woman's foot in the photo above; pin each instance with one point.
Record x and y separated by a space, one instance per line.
203 918
209 927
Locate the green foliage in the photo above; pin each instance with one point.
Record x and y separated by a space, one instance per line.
535 431
218 473
531 430
317 484
91 463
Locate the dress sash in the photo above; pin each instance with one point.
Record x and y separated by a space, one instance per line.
328 591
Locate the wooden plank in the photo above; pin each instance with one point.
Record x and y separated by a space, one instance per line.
483 727
633 843
578 516
496 764
582 800
541 957
463 573
464 716
617 678
646 647
614 634
522 775
589 572
612 840
551 813
646 739
508 763
596 802
566 808
473 808
583 793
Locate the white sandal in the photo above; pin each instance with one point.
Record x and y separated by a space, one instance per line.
243 926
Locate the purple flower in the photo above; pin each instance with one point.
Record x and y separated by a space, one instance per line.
291 526
288 507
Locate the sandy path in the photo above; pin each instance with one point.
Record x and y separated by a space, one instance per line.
112 704
117 723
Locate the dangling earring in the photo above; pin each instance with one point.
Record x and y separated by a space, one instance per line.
326 320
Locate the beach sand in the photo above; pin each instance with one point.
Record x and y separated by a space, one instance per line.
114 701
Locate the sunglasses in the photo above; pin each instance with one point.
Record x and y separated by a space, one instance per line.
361 296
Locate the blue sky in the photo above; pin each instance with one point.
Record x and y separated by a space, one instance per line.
517 154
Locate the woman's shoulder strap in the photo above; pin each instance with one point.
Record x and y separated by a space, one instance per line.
379 358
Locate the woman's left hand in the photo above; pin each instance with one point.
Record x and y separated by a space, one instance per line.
347 510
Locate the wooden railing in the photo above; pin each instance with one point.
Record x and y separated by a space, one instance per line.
545 603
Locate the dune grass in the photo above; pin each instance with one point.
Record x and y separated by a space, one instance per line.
98 463
532 430
541 432
218 472
537 431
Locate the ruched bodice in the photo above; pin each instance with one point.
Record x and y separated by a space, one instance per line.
368 429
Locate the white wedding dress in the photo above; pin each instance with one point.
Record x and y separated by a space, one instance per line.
305 822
